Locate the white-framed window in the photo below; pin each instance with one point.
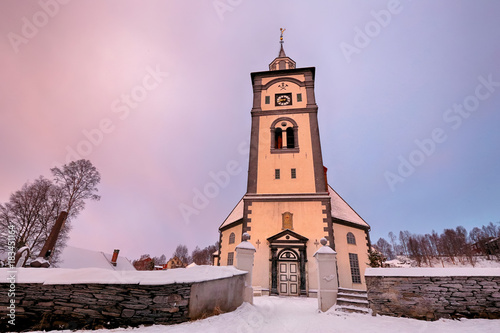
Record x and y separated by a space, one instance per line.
232 238
230 258
350 238
355 274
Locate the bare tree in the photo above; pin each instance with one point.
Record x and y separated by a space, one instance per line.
395 246
403 240
204 256
181 252
384 248
33 210
78 182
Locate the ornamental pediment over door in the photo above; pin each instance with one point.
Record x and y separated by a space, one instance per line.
287 236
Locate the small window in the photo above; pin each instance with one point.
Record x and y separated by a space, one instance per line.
299 97
276 173
232 238
278 138
268 99
350 238
290 138
294 173
230 258
356 276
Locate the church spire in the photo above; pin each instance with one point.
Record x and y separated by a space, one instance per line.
282 61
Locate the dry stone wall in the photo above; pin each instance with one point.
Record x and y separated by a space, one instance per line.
39 306
91 306
435 297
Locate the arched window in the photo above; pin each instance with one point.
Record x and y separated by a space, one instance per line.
284 136
290 138
350 238
278 138
232 238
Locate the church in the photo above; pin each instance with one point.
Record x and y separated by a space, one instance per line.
289 206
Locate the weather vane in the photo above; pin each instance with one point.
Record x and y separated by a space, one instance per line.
282 30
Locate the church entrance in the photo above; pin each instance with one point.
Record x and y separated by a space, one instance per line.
287 269
288 277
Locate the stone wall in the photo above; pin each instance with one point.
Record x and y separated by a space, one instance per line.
40 306
434 297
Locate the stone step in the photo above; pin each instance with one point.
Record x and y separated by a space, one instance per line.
353 309
352 296
351 302
352 291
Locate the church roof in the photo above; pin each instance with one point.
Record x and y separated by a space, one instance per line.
236 214
341 209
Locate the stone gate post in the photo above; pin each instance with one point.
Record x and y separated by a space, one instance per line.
245 252
328 286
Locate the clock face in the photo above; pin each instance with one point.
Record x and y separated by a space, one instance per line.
283 99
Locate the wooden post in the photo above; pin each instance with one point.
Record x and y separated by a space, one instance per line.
48 247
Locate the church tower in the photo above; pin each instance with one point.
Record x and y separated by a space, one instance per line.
288 208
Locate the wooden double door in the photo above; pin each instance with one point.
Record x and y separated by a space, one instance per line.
288 278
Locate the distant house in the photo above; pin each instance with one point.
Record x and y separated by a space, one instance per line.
487 246
74 257
175 262
144 264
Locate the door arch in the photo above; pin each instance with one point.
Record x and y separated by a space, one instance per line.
288 273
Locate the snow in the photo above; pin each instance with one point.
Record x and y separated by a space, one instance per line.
74 257
235 215
107 276
325 249
433 271
300 315
342 210
479 262
246 245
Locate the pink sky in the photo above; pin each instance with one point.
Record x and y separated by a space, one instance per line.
70 77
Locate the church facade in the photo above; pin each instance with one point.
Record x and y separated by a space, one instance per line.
289 206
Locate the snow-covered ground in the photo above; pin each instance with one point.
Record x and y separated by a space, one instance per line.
479 262
300 315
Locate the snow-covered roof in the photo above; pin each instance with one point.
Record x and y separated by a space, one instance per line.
107 276
433 271
236 214
325 250
342 210
74 257
246 245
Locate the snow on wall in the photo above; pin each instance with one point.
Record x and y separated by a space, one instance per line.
106 276
431 271
56 298
434 293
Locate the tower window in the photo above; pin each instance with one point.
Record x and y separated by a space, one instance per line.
268 99
290 138
350 238
284 136
232 238
278 138
294 173
356 276
230 258
299 97
276 173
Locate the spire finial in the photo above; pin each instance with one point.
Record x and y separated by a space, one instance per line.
282 30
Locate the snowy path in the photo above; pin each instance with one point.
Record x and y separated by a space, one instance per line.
300 315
